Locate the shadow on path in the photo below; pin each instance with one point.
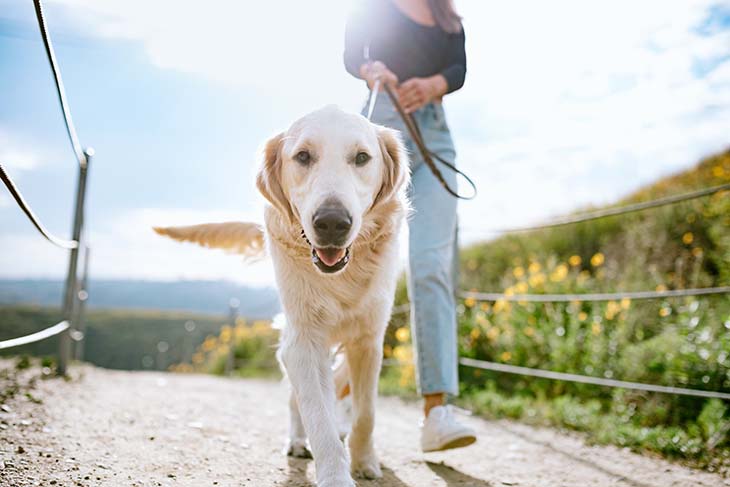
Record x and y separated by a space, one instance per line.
454 478
591 464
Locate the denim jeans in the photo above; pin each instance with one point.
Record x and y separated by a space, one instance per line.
432 249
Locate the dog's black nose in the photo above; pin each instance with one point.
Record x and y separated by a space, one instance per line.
332 223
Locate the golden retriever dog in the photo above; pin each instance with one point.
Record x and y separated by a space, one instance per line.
335 183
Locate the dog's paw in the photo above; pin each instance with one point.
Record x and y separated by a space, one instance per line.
298 449
367 468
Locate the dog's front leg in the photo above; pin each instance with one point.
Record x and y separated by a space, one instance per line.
364 358
307 365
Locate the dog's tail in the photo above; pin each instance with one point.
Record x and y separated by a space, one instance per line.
236 237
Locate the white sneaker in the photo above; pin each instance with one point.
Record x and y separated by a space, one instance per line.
441 431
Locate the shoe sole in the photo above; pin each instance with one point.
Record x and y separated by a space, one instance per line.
460 442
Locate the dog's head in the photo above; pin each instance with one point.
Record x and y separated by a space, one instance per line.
327 173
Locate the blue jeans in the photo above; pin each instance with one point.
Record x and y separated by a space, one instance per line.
432 249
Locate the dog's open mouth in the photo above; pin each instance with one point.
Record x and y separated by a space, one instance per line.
330 259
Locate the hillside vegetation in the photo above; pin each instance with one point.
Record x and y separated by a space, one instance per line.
117 339
681 342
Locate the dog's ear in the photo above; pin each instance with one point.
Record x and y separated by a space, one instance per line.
395 158
268 180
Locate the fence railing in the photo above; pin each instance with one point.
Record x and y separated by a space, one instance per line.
72 310
404 308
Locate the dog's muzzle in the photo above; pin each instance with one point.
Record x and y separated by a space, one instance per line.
332 224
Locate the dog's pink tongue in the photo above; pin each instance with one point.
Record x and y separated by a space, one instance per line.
330 257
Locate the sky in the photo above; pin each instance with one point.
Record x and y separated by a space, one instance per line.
567 104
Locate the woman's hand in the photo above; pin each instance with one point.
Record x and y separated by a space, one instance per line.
371 72
416 92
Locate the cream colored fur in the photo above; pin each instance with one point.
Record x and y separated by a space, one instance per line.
350 308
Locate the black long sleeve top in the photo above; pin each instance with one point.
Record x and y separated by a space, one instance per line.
407 48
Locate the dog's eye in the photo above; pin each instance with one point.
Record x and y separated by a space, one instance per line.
303 157
362 158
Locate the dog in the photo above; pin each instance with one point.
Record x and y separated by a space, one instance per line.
335 186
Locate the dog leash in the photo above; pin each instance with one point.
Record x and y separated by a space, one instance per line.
415 133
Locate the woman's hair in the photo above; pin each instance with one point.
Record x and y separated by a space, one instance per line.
445 16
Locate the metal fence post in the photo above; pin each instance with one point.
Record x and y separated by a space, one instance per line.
69 297
79 341
234 303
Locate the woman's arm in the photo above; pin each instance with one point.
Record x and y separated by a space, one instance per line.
416 92
456 71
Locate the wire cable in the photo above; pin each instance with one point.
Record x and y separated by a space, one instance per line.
60 90
620 210
565 298
35 337
585 379
58 242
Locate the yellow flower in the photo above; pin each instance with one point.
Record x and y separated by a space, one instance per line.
575 260
582 316
596 328
510 291
718 171
470 302
475 333
500 305
612 309
518 272
625 303
664 312
529 331
485 306
481 319
697 252
560 272
505 356
534 267
521 287
402 353
688 238
226 334
209 344
536 280
402 334
387 350
598 259
493 333
661 287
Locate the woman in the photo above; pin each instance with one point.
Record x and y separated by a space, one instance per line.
417 47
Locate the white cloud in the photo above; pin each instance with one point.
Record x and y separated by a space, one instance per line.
573 103
290 49
16 154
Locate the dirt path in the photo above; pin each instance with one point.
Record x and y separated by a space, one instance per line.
151 429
